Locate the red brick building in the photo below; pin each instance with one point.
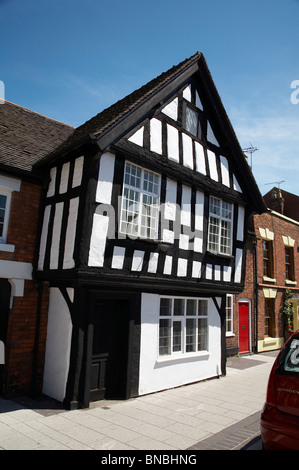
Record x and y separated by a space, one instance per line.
25 138
272 270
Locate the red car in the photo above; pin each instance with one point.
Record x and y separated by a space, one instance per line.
280 415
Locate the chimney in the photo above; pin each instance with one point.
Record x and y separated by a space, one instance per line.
277 201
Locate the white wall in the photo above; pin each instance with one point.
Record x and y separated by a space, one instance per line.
58 346
161 373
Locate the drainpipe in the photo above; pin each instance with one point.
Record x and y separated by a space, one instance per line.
256 294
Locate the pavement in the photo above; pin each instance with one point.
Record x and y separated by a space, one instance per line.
216 414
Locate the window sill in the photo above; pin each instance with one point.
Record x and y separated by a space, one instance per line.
182 357
229 335
7 247
219 255
291 283
268 279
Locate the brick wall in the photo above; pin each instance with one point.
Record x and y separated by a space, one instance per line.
280 227
24 315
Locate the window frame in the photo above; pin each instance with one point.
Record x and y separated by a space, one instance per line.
290 264
269 318
229 315
268 260
7 193
190 336
137 207
221 227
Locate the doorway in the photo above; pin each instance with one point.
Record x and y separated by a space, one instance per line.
5 289
244 337
109 358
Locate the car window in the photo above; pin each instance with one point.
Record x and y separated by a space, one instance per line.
288 363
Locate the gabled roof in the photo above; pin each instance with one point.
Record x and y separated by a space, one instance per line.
111 116
284 202
111 124
27 137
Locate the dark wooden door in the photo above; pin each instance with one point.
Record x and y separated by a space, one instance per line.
109 362
4 311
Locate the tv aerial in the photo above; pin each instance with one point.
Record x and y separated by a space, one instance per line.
250 150
278 183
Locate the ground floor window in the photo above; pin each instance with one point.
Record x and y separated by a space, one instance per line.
269 318
183 325
229 310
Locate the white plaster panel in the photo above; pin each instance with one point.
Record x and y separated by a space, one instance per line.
64 178
58 346
184 242
54 255
171 109
118 257
198 245
186 206
236 185
198 101
137 137
168 236
199 210
224 171
217 273
173 143
238 265
68 260
209 271
227 273
200 158
240 227
170 200
196 269
44 235
187 93
98 240
212 165
161 373
187 151
105 179
156 135
153 263
137 261
211 136
168 265
182 267
78 172
51 188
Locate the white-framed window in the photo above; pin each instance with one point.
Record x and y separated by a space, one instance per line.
5 199
140 202
220 226
229 310
183 325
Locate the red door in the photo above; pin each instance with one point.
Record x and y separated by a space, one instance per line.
243 327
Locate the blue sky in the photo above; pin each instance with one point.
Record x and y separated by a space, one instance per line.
70 59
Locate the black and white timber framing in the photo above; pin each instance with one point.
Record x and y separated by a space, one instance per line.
106 282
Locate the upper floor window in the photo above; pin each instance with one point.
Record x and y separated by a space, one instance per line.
4 214
220 226
192 121
183 326
289 263
140 202
268 268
